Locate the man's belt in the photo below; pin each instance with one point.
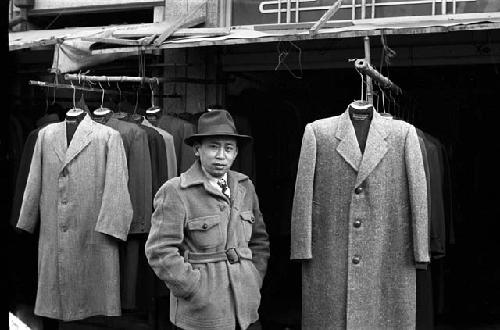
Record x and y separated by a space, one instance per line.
232 255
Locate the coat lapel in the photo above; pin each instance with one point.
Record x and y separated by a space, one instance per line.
348 147
80 139
59 145
194 175
375 150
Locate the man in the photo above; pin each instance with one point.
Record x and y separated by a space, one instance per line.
208 241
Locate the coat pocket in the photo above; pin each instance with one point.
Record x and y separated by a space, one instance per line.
247 221
205 232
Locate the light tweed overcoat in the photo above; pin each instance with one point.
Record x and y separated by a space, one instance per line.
81 195
359 247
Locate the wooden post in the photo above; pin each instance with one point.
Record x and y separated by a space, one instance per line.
369 85
353 10
170 28
326 16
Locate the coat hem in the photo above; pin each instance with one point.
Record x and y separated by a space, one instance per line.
216 324
76 317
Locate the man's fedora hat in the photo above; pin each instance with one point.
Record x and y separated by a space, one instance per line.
216 123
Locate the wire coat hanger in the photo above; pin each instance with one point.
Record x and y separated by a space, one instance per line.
74 112
102 111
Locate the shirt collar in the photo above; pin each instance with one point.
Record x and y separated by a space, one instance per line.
213 180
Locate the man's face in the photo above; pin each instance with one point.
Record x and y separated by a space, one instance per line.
216 154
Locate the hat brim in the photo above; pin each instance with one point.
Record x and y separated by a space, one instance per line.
190 141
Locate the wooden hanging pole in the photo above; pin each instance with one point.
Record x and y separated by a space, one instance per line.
68 86
369 85
326 16
365 68
83 77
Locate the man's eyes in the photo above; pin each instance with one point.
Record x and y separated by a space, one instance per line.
226 148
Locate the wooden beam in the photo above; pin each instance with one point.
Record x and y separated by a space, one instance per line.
321 35
83 77
124 42
209 32
171 28
32 44
213 32
300 26
95 8
326 16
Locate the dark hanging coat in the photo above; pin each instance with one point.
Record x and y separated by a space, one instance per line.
359 223
81 194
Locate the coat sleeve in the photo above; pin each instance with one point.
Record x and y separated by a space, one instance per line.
259 242
171 156
301 223
164 240
417 186
140 181
22 175
116 212
29 214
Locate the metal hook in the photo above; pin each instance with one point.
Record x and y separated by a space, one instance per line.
362 84
74 92
152 95
102 97
46 100
136 100
120 91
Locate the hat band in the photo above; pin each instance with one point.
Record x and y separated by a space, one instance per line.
219 130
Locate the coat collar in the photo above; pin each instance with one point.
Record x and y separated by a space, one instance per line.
348 148
195 176
80 140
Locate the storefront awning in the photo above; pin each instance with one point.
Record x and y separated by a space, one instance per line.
86 46
361 28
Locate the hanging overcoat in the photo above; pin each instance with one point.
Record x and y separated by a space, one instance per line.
81 194
359 224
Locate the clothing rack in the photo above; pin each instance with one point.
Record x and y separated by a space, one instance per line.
68 86
90 89
365 68
83 77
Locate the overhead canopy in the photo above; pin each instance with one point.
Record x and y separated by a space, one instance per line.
109 43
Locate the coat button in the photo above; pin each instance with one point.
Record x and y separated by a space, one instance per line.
356 260
222 207
357 224
205 226
358 190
